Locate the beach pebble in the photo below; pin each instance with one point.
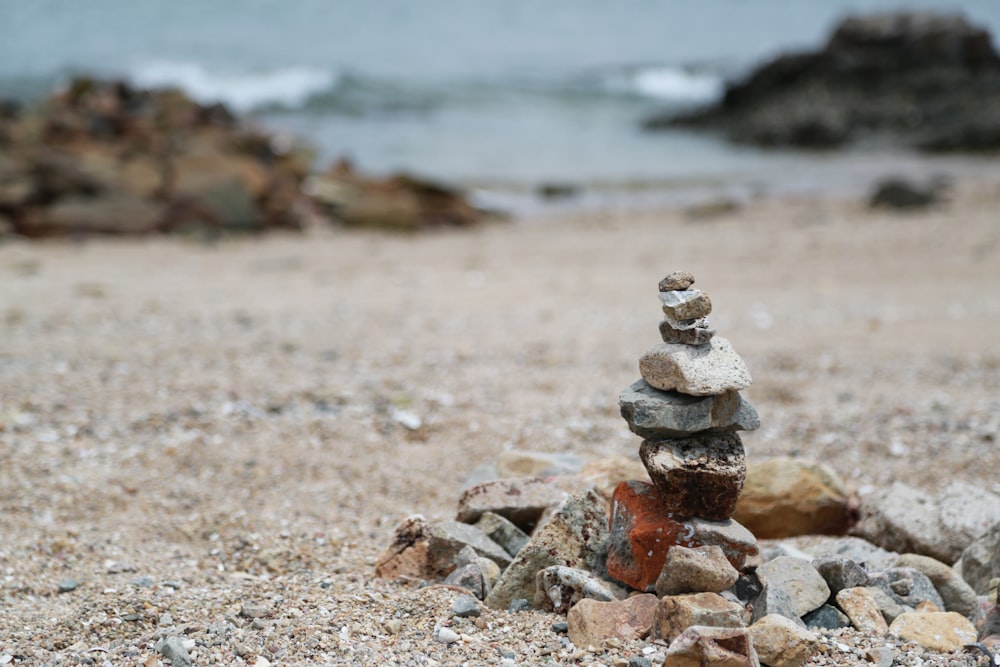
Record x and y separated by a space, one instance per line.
67 585
676 280
697 335
704 645
445 635
693 570
943 631
804 585
840 573
465 606
675 613
826 617
592 622
780 642
860 606
174 650
686 304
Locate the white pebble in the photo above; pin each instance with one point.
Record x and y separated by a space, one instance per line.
445 635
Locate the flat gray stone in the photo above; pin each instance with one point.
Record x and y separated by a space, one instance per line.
698 370
657 415
686 304
575 535
806 587
888 606
558 588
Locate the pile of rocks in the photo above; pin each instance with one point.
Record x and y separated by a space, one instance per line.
106 157
667 562
688 408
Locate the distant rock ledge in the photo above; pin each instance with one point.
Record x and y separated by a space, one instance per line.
922 80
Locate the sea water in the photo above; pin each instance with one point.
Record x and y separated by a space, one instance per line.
498 95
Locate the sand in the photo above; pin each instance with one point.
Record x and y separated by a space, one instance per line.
216 441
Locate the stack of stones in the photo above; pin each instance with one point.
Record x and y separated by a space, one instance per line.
687 407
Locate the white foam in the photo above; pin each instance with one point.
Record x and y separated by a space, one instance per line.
675 84
242 91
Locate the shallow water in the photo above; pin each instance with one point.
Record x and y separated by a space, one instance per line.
500 94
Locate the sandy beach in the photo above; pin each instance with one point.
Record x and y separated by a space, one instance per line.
216 441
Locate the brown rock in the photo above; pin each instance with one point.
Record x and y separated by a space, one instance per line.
428 551
862 608
592 622
780 642
694 336
695 570
701 646
943 631
690 304
786 497
698 476
676 280
522 501
675 613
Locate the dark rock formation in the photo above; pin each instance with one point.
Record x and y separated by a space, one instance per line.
924 80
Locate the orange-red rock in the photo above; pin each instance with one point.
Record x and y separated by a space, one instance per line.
641 534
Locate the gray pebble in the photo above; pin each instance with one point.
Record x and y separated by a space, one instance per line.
68 585
518 605
465 606
560 627
166 619
445 635
639 661
142 582
172 648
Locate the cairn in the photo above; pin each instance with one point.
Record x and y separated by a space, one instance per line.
687 407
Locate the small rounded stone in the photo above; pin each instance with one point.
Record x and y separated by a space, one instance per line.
677 280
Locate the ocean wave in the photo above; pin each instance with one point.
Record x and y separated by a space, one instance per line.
242 91
670 84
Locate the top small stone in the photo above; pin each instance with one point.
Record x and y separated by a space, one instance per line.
676 281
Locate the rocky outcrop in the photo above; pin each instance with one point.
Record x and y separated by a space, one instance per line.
924 80
106 158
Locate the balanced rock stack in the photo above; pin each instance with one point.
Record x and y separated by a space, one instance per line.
687 407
